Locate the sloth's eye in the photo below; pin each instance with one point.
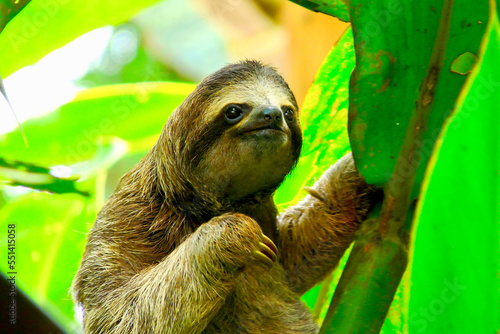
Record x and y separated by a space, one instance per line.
233 114
288 114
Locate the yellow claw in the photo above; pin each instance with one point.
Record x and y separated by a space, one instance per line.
270 244
260 256
267 251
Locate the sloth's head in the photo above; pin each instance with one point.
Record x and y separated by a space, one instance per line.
238 133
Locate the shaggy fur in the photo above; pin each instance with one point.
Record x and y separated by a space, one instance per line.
180 247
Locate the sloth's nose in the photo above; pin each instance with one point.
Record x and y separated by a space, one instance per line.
272 115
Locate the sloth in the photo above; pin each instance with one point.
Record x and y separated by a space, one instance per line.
191 240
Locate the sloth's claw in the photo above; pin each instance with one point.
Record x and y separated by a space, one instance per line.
267 251
263 258
270 244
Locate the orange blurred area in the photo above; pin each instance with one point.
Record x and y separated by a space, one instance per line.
291 38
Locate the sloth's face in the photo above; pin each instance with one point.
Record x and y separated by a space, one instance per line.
260 141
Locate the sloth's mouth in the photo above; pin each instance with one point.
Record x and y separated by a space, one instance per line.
271 127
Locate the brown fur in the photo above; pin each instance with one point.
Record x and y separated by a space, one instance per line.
176 248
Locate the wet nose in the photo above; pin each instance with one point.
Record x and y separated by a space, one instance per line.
272 115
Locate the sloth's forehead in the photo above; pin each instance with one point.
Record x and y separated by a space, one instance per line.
253 93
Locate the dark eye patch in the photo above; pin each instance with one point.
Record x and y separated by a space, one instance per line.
289 113
234 112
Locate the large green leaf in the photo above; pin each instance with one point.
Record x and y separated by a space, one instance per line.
133 112
50 238
43 26
399 99
324 113
324 121
394 72
456 260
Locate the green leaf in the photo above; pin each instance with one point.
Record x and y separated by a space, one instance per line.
456 261
43 26
324 113
9 9
335 8
133 112
324 122
398 101
50 238
388 79
17 173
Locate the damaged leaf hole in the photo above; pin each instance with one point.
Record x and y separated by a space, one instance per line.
463 64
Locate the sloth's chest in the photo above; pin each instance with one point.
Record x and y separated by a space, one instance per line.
263 303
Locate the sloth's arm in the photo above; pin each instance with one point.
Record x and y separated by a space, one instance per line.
183 292
314 234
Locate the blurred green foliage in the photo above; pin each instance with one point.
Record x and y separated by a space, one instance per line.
133 112
125 60
43 26
16 173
